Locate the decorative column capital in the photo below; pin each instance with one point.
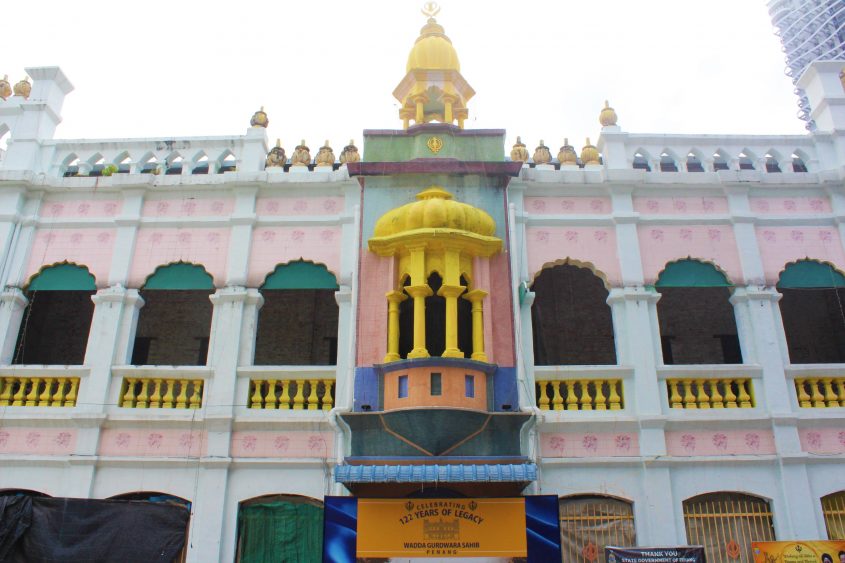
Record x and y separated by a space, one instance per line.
395 296
475 296
417 291
450 291
14 296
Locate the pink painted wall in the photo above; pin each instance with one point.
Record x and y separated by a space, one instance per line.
88 247
155 247
188 207
499 307
825 441
274 206
720 442
790 205
596 245
376 279
292 444
661 244
680 205
781 245
37 441
568 205
590 444
277 245
119 442
81 208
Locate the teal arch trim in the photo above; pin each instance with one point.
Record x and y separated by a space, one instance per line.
63 277
691 273
300 274
180 275
809 273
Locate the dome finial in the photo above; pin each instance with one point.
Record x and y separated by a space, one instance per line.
608 117
430 9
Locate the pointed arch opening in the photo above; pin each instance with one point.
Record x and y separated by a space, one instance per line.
149 164
96 164
123 162
57 318
70 166
720 161
227 162
694 163
298 323
641 161
813 311
746 160
726 523
570 317
597 520
280 528
773 163
799 162
173 164
668 162
696 319
200 164
174 324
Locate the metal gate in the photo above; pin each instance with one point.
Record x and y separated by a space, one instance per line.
726 524
833 508
589 523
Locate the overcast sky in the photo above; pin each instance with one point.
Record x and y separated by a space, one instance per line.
326 70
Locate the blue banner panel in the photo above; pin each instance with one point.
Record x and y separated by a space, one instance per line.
340 529
685 554
542 522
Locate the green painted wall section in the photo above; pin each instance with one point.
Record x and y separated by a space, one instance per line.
691 273
180 276
300 275
809 274
410 145
63 277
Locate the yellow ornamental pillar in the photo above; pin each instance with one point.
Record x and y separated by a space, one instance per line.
451 293
447 109
419 102
394 298
476 297
419 293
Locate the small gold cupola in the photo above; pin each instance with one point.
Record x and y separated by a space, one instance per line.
433 88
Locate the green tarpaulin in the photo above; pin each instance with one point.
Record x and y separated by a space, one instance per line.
300 275
280 532
810 274
691 273
63 277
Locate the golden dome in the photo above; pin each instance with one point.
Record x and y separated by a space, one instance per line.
435 209
433 50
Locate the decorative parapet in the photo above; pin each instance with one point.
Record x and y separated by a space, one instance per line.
17 391
819 392
291 394
710 393
157 393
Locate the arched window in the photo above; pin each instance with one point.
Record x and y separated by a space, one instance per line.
123 163
812 310
227 163
697 322
175 322
280 528
694 163
772 164
720 162
174 165
833 508
798 164
745 161
200 164
97 163
70 168
588 523
149 165
297 325
57 319
726 523
641 162
667 163
571 319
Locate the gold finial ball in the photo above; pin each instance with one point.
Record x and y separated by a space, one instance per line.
589 154
23 88
608 117
567 155
5 87
519 153
259 119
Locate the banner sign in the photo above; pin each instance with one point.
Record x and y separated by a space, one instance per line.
821 551
685 554
441 527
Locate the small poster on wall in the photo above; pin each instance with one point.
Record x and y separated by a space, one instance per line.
798 551
683 554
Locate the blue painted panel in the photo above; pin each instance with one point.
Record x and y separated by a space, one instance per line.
504 390
542 521
340 529
366 389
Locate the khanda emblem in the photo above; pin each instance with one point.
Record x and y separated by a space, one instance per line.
430 9
409 506
473 505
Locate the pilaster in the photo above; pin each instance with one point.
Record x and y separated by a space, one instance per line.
223 350
345 369
125 237
12 306
240 240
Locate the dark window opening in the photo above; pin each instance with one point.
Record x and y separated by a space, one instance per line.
297 327
694 164
403 387
141 350
435 318
667 164
469 386
436 384
814 323
200 168
406 324
54 329
71 171
177 324
745 163
798 165
465 323
720 164
701 323
772 166
640 163
571 318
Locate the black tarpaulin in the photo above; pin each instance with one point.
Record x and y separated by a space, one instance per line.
100 531
15 518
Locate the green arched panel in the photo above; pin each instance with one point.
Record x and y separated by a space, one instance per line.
63 277
809 273
691 273
180 276
300 275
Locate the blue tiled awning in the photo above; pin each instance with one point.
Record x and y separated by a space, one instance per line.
502 473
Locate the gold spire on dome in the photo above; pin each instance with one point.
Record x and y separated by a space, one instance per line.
608 117
433 88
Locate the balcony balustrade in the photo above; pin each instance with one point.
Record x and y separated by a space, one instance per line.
17 391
